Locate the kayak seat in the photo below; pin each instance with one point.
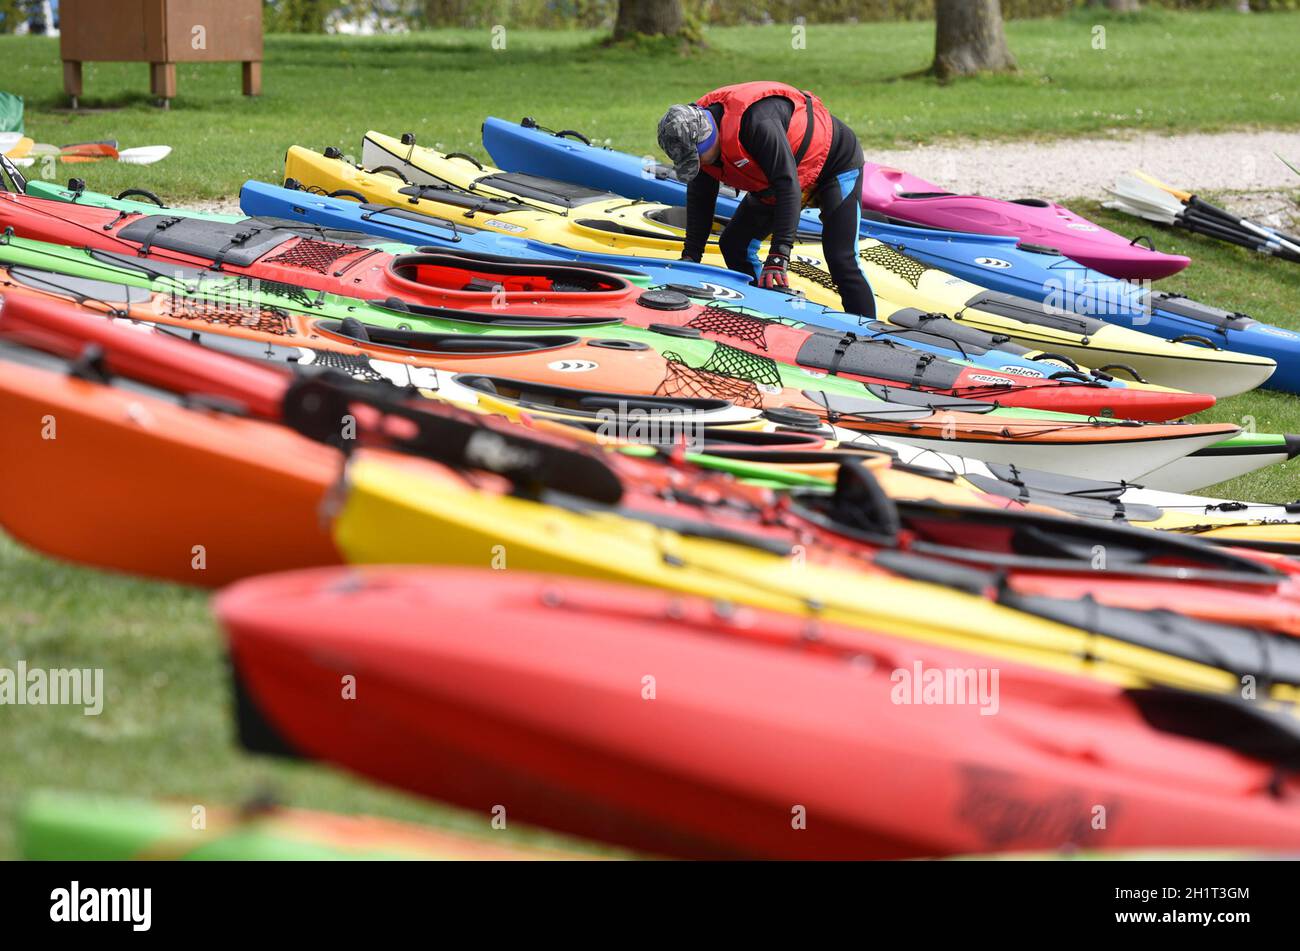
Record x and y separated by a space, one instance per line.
453 272
671 215
485 257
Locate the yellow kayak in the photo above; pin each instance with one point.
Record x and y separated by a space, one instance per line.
406 511
460 189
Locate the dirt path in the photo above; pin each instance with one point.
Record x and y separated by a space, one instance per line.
1236 162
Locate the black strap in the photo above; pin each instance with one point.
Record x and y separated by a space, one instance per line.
147 244
807 132
922 364
238 239
841 350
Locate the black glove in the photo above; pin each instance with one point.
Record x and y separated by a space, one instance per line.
774 274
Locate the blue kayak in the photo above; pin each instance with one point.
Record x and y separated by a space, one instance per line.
992 261
930 332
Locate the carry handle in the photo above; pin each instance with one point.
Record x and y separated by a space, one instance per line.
141 193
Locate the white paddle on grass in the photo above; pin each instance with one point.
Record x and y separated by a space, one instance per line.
1202 207
1145 200
144 154
141 155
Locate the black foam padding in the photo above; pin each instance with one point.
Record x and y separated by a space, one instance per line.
836 353
236 243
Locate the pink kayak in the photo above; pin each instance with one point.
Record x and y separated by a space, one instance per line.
900 195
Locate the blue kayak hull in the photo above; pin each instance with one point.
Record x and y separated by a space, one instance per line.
261 199
993 261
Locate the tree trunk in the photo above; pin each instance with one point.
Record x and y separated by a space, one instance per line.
444 12
1119 6
649 17
969 38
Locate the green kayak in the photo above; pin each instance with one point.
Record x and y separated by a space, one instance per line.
67 827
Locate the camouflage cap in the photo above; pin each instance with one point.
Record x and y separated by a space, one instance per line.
681 132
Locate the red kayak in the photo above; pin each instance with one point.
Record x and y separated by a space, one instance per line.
1039 553
669 725
494 286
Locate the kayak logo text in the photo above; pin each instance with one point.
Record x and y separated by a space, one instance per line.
77 904
946 686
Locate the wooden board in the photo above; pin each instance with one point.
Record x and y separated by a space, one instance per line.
231 29
91 30
161 31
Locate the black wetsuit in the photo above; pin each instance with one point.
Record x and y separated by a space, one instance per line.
837 193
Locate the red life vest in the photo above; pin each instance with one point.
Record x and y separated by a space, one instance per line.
737 167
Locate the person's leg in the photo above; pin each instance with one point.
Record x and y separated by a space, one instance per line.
740 239
841 211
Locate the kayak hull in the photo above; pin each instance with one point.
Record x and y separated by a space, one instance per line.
997 262
891 191
80 828
658 723
114 479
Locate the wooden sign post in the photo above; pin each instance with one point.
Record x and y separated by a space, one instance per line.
161 33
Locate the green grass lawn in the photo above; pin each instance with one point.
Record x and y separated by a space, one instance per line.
1158 71
166 729
1237 279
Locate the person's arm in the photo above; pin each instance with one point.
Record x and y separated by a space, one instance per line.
701 203
764 134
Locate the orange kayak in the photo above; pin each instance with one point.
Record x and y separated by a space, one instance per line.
118 478
549 367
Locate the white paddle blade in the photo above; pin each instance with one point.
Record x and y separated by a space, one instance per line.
144 154
1135 204
1139 211
1137 192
